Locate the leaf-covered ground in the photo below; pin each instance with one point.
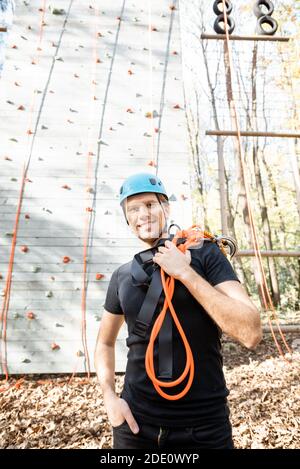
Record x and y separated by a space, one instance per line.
51 412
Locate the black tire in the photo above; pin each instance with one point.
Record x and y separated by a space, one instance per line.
217 9
257 9
266 20
220 19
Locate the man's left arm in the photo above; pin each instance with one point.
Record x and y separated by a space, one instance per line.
227 302
228 305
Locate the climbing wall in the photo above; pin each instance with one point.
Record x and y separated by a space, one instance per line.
6 19
90 94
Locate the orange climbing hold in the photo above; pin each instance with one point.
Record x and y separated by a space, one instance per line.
66 259
99 276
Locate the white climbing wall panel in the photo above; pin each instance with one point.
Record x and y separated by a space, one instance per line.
73 105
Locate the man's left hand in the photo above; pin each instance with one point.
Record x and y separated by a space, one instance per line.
172 260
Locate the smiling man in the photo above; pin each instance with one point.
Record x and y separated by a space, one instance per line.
208 299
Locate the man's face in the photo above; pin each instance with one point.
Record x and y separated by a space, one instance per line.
145 216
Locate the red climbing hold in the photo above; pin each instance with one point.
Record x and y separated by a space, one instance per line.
65 186
177 106
89 209
27 216
55 346
130 72
66 259
129 110
24 248
99 276
30 315
152 163
21 108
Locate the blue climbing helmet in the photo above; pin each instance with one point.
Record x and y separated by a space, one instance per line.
139 183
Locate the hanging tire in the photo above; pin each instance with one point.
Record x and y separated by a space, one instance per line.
266 20
217 9
221 29
258 11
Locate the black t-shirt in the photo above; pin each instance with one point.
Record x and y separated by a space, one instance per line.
207 396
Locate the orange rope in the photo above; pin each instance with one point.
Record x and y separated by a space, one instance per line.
250 211
193 236
7 290
88 210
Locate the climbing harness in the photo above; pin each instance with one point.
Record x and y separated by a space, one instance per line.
160 289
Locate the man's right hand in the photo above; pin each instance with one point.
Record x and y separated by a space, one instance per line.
118 411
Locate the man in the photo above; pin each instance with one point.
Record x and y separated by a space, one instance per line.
208 298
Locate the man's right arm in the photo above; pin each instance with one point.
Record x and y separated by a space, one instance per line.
117 409
105 351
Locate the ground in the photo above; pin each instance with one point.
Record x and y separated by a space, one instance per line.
51 412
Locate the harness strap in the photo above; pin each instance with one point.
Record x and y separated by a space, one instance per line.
147 311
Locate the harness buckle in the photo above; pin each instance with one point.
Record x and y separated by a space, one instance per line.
140 328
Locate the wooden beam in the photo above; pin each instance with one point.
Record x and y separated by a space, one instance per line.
284 328
233 133
245 38
248 253
3 29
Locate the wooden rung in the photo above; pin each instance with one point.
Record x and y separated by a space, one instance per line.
245 38
243 133
248 253
284 328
